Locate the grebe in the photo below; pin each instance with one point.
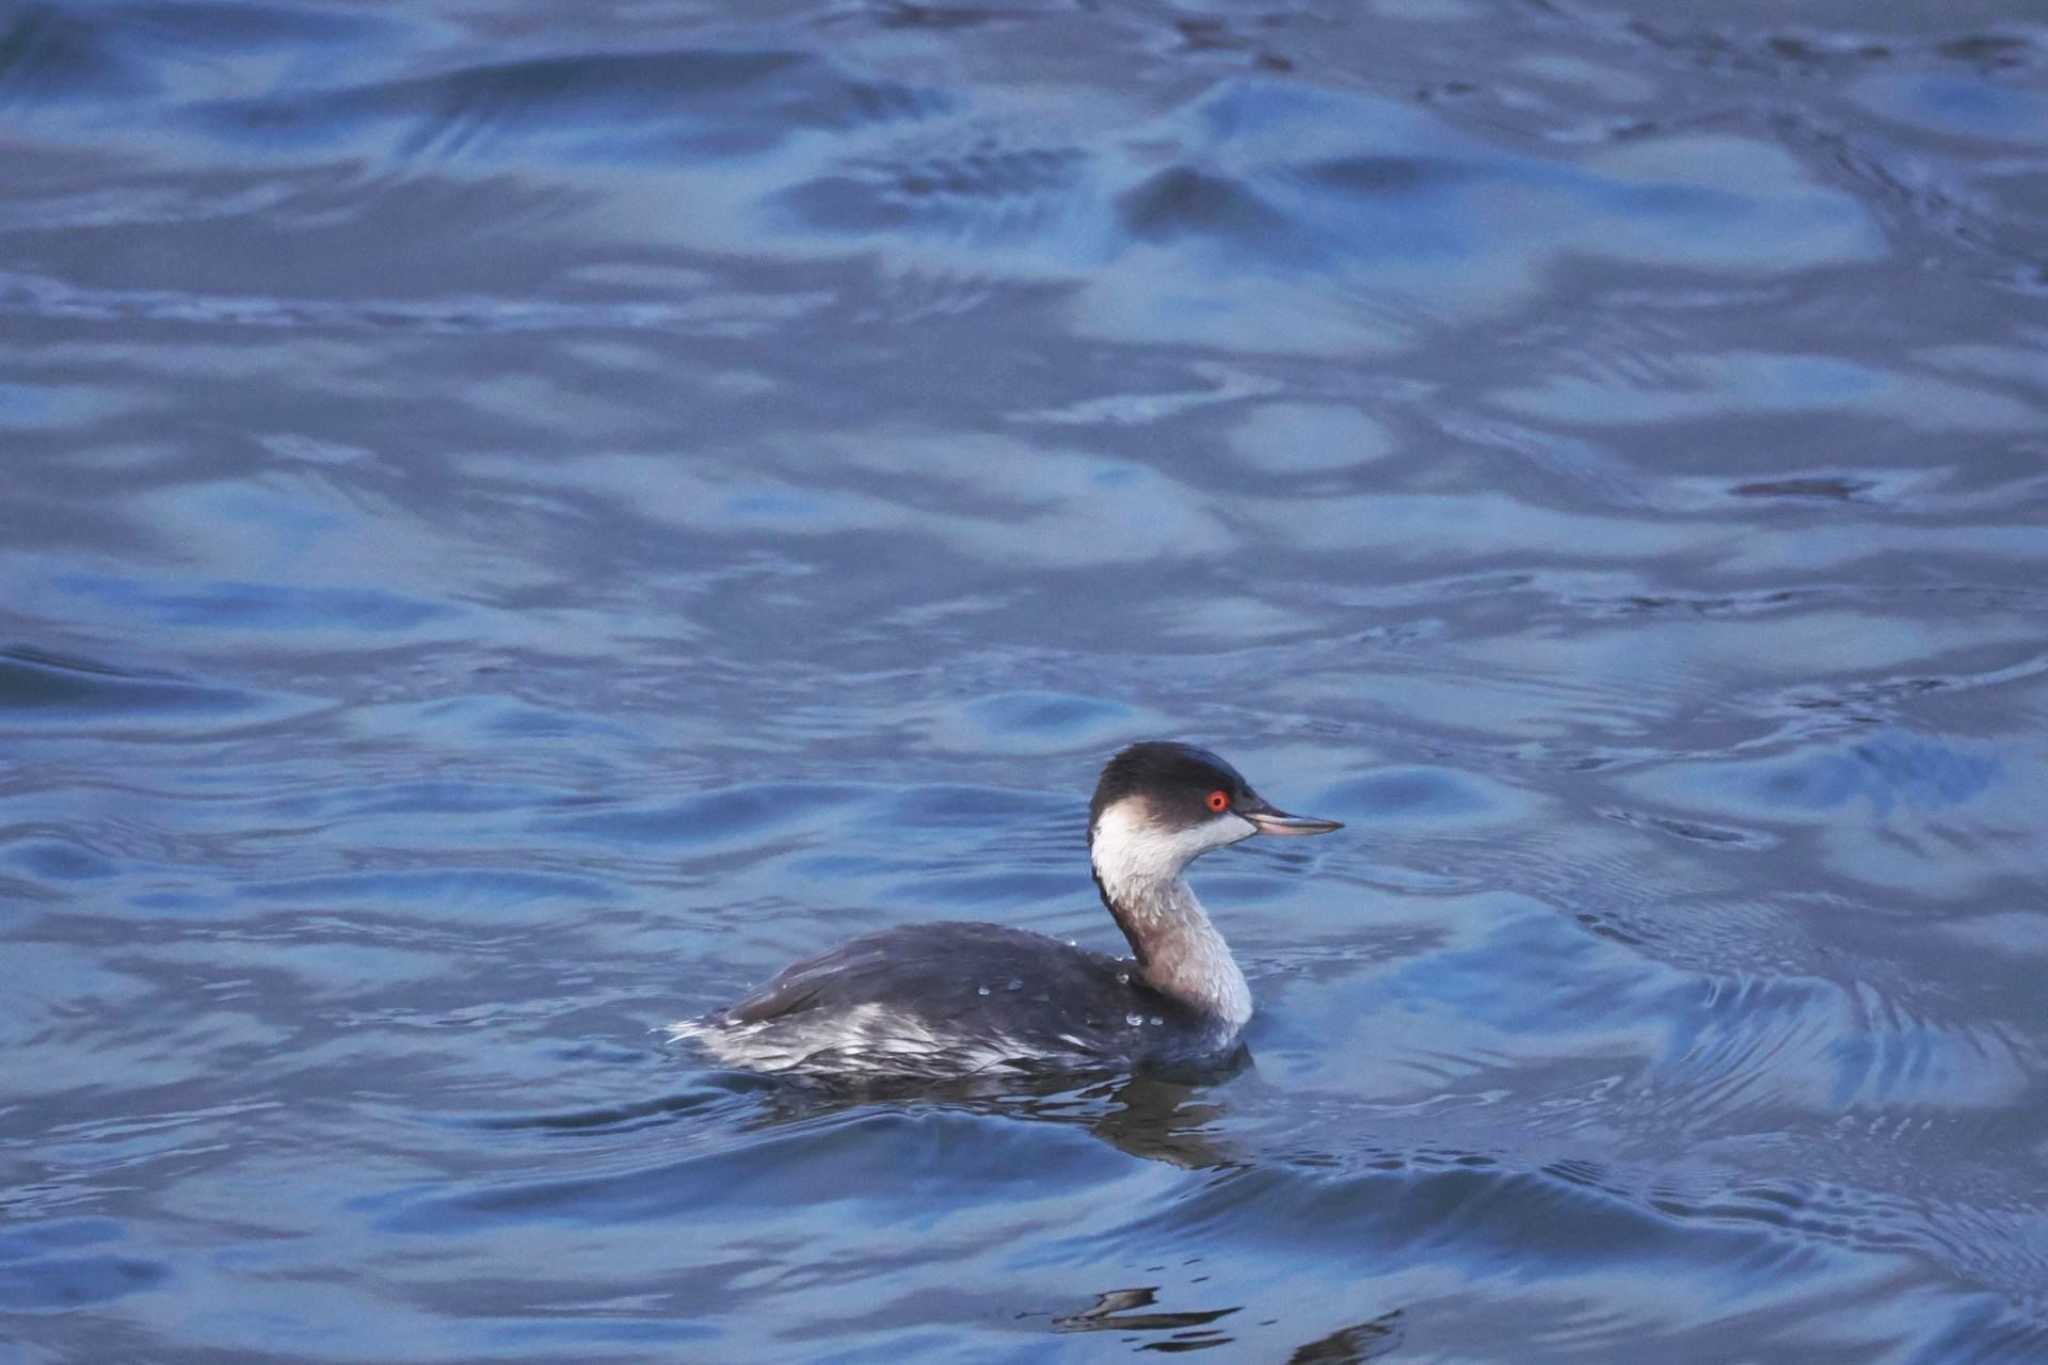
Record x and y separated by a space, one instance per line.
960 998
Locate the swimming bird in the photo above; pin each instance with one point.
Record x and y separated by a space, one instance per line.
958 999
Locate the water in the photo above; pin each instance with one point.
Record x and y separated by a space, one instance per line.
520 520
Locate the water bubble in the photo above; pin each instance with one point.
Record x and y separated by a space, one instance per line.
1134 1019
1157 1020
1123 978
1072 944
1016 984
981 990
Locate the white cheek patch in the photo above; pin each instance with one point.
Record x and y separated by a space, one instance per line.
1132 851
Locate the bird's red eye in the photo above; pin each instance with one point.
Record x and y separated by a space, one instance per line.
1219 801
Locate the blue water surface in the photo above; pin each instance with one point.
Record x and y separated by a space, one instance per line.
521 519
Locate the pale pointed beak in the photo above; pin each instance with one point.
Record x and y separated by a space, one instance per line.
1271 821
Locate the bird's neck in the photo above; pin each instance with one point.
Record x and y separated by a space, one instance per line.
1178 951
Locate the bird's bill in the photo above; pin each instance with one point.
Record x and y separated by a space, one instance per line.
1270 821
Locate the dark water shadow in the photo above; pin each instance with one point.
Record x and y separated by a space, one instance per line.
710 1098
41 687
1160 1114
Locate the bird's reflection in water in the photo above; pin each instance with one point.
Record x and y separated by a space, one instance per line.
1115 1311
1164 1115
1170 1116
1353 1345
1135 1311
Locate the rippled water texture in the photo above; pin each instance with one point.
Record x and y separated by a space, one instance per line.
518 521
